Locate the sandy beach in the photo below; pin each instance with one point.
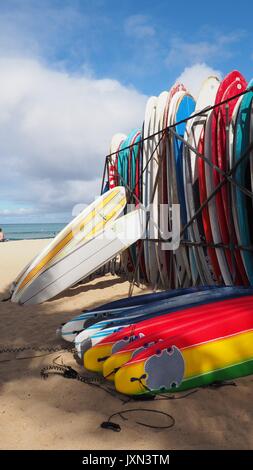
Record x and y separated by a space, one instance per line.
66 414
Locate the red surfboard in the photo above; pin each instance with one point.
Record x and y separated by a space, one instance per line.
219 159
173 320
205 213
200 332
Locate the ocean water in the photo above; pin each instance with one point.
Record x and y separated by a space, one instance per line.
31 231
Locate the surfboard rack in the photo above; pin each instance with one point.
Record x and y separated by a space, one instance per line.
228 178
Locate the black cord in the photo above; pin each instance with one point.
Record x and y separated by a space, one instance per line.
50 349
116 427
69 373
6 299
47 350
96 381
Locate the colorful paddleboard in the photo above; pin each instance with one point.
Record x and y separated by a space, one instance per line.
95 356
194 357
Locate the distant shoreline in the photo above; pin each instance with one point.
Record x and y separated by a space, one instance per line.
28 239
31 231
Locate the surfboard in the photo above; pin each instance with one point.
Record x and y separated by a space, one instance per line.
214 225
73 327
126 163
116 141
99 332
87 226
182 325
134 151
181 104
167 259
205 213
103 343
236 87
231 164
242 141
219 157
196 356
193 196
147 150
156 270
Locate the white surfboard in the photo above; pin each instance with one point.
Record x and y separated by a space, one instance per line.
147 150
84 260
88 224
156 172
193 133
166 260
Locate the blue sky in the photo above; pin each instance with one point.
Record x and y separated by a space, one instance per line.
53 54
142 43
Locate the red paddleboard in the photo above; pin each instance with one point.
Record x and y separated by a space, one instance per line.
205 213
185 332
194 333
112 164
236 87
153 326
219 159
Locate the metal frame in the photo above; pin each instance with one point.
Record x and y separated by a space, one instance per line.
227 179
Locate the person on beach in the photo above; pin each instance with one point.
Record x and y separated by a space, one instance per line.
2 237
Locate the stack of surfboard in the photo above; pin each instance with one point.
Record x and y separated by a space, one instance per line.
91 240
169 341
203 205
199 329
216 246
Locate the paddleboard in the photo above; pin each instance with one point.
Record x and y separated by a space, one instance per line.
80 262
104 344
242 141
197 356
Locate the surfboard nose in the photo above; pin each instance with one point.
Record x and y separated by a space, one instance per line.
82 346
131 379
113 363
95 357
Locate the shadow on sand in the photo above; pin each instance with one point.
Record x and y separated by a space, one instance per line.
209 419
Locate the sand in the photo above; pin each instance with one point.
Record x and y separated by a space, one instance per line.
63 414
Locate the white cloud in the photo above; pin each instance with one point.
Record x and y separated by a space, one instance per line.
188 52
21 211
193 77
138 26
55 130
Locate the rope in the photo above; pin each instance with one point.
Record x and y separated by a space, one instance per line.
47 349
50 349
69 373
96 381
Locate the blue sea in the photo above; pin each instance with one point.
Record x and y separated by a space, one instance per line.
31 231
